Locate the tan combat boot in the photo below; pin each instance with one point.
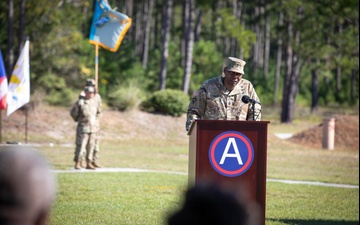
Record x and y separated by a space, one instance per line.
90 166
82 164
77 165
96 165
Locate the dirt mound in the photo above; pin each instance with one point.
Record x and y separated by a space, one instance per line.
346 134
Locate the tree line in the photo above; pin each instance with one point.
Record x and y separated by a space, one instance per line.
296 51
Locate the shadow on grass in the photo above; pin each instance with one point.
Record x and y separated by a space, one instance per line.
313 222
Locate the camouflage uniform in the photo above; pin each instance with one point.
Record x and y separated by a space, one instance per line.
88 127
214 102
79 134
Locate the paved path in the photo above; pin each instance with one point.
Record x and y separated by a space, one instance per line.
101 170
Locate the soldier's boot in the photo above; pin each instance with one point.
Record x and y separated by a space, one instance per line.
77 165
90 166
96 165
82 164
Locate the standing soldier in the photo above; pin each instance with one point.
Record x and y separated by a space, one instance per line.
88 128
91 82
222 97
79 163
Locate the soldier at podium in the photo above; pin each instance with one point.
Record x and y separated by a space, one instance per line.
226 97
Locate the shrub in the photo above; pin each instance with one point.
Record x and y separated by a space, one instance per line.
55 89
125 98
59 98
169 102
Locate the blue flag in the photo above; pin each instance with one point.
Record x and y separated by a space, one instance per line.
108 26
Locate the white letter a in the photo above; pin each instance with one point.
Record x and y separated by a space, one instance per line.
226 153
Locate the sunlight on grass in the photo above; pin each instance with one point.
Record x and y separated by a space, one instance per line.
120 198
147 198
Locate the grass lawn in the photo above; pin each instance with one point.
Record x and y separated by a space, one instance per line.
146 198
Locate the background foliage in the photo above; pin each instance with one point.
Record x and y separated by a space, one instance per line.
62 58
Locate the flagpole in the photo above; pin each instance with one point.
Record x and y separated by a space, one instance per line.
26 123
96 65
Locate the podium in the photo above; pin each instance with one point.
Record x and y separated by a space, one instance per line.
231 153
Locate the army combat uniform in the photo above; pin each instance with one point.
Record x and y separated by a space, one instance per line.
88 127
79 128
214 102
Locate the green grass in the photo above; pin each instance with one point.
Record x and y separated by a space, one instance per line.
146 198
116 198
311 205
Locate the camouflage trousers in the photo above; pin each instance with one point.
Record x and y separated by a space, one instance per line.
87 147
81 154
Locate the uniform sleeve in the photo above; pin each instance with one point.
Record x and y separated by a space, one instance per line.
196 108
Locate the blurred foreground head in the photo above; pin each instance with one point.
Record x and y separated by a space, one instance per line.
27 186
213 204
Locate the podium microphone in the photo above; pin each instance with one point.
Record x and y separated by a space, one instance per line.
247 99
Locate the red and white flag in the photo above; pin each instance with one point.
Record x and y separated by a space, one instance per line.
3 84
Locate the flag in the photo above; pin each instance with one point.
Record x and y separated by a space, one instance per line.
19 84
3 84
108 26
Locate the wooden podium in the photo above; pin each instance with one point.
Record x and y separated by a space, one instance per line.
231 153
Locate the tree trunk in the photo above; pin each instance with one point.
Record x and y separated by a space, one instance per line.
217 4
148 9
10 43
21 24
288 69
157 23
257 44
353 87
314 91
279 54
338 68
198 25
165 33
242 22
139 28
261 33
189 46
292 75
128 9
267 45
185 16
233 41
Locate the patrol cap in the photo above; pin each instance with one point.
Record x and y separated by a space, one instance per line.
89 89
235 65
90 82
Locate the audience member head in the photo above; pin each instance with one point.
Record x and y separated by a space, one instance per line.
211 204
27 186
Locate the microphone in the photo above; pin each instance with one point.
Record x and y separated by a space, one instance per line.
247 99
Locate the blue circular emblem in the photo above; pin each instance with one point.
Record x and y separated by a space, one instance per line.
231 153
